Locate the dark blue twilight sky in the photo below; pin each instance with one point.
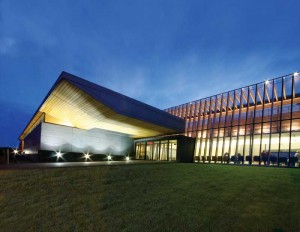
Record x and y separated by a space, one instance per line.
161 52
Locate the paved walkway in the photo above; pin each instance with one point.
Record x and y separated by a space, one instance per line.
76 164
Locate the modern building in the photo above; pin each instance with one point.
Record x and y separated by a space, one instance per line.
78 117
255 125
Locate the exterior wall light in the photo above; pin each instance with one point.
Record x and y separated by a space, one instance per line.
15 151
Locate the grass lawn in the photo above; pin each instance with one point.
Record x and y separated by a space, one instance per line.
151 197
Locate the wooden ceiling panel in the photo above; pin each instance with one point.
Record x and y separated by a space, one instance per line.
67 105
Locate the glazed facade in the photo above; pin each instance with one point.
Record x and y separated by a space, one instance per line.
258 124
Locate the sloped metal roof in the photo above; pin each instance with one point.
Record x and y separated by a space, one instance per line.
73 101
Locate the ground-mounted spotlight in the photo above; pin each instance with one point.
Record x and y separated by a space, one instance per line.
87 155
127 158
58 154
109 157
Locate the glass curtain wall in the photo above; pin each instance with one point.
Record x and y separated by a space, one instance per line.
254 125
165 150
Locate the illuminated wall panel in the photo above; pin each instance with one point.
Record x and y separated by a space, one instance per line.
242 125
63 138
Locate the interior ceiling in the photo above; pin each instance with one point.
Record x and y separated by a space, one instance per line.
67 105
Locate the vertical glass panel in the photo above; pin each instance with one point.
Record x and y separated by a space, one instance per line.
267 112
240 146
230 98
260 94
212 112
241 130
259 101
219 150
265 142
256 149
196 152
164 150
202 147
234 131
266 128
252 92
206 149
268 101
274 149
200 122
239 150
284 149
276 111
296 108
275 127
140 150
237 105
207 113
250 116
268 92
232 150
219 102
137 150
278 90
244 93
278 97
286 110
285 126
215 133
227 131
149 150
172 150
249 129
226 155
156 150
213 149
265 153
297 85
296 125
247 149
288 87
257 128
204 134
218 111
243 116
223 110
295 150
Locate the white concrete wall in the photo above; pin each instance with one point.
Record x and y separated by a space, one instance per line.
69 139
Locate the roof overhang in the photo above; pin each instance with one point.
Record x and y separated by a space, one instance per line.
78 103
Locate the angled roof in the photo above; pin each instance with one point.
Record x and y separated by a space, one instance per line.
73 101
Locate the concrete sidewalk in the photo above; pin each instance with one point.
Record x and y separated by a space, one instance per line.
77 164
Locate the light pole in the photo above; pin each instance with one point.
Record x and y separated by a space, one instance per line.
7 156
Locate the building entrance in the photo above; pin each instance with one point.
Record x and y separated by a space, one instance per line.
156 150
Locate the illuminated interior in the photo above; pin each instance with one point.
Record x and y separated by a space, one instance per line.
242 125
165 150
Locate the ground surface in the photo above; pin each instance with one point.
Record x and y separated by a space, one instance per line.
150 197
